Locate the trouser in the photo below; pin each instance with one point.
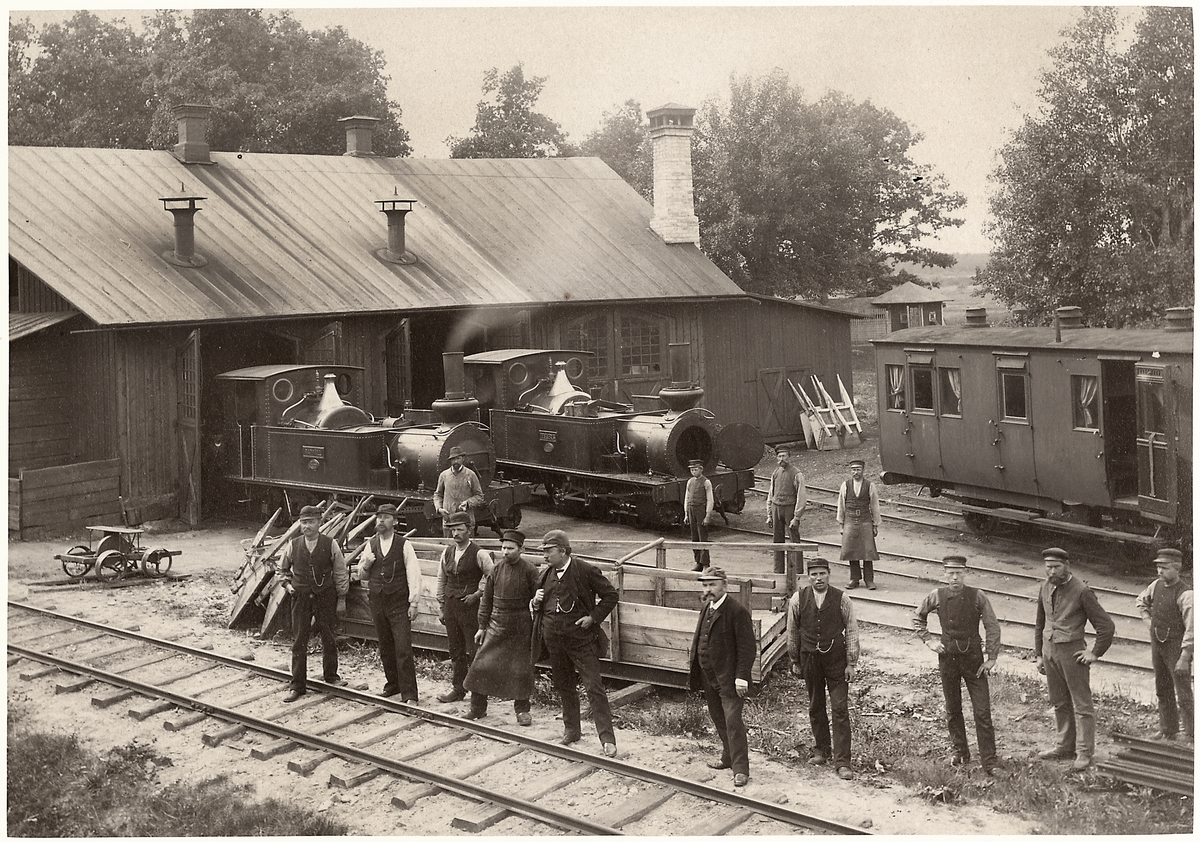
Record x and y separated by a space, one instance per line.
573 659
699 533
479 703
868 570
1170 685
462 621
959 668
311 608
1069 683
394 630
827 672
781 519
726 712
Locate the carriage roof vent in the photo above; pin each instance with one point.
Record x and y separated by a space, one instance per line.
1178 319
977 317
1069 317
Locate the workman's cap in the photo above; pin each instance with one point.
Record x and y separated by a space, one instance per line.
1169 554
1055 554
457 451
556 538
458 518
712 574
695 463
310 511
818 563
514 536
783 448
954 562
858 462
386 509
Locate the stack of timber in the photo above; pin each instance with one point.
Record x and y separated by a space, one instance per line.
650 631
828 424
1162 765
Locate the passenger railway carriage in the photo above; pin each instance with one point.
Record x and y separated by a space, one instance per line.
1091 427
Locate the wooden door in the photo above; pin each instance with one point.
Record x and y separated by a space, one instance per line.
188 368
397 356
778 411
1156 443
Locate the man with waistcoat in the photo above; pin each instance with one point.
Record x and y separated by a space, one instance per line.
459 587
502 666
823 647
1065 606
858 516
786 499
458 490
1166 609
390 568
723 649
314 573
699 505
961 610
571 602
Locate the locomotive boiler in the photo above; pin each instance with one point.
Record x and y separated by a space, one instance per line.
603 458
295 429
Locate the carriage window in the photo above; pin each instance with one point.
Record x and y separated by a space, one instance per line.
950 390
922 387
1013 393
1085 403
895 386
1153 414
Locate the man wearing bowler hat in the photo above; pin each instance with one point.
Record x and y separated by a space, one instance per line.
458 490
699 505
571 602
1166 609
960 652
390 568
723 649
858 516
461 571
1065 606
786 499
314 573
502 666
823 647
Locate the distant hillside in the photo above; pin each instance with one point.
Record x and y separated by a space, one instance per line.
966 266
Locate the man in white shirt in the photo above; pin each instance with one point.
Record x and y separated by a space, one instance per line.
390 568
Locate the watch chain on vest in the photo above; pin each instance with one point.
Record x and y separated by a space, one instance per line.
388 573
959 616
823 629
312 570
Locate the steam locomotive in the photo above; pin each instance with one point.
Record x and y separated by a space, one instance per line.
604 459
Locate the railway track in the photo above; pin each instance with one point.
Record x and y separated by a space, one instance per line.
354 737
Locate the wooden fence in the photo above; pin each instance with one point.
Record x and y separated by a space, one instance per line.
44 500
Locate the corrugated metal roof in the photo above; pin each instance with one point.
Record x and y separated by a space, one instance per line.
793 302
21 325
908 293
296 235
1073 339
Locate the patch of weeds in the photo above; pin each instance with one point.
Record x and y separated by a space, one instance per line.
670 713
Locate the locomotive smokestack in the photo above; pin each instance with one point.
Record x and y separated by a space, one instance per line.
456 407
682 394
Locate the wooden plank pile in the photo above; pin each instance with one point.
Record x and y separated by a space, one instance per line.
828 424
1159 764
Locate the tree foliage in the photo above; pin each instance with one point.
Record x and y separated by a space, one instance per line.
506 126
1094 205
275 87
623 142
810 198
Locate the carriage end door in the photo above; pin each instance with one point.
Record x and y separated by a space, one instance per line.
1156 444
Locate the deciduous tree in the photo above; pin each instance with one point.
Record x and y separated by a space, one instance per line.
623 142
506 126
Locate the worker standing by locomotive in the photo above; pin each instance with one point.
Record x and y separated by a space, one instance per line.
314 573
458 490
785 502
502 665
459 588
699 505
858 516
1166 609
390 568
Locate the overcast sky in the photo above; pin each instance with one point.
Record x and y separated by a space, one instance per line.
963 76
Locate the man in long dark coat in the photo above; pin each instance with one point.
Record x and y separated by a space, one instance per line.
722 655
502 665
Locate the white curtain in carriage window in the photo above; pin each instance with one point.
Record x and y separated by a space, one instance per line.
895 377
1086 386
954 381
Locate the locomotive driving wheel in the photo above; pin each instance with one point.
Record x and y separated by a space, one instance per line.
77 561
669 514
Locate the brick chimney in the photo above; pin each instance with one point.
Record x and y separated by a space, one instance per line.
671 131
192 119
360 132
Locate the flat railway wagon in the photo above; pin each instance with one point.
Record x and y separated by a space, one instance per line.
604 459
293 431
1085 430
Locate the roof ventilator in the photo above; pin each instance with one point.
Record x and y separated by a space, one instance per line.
1178 319
977 317
184 209
396 209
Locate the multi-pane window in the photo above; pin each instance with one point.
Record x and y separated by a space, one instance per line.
922 387
591 335
1085 402
513 334
950 390
641 346
895 386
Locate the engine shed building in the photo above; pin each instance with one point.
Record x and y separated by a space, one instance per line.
137 276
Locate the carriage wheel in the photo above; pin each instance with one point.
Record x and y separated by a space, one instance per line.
110 566
80 561
981 524
156 562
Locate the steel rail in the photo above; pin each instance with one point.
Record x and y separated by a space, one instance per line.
623 768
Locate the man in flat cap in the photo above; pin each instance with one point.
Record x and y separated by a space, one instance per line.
823 647
786 499
390 568
314 573
960 652
461 571
458 490
722 654
1165 607
1065 606
502 665
699 505
858 516
571 602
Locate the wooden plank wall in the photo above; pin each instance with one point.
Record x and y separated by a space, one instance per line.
93 405
33 296
66 496
39 397
147 429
